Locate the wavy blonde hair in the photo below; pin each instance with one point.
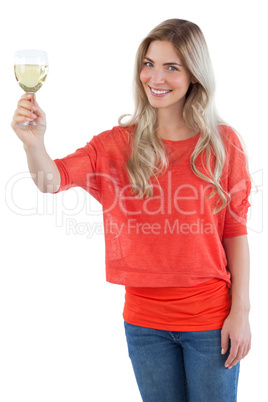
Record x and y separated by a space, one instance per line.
148 157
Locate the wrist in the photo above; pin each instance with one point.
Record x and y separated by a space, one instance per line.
34 147
240 306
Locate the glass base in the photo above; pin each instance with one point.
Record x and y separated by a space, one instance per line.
29 123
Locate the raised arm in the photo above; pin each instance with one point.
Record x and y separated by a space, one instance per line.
43 169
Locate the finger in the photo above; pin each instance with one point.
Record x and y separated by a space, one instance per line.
19 120
238 357
22 118
24 112
26 104
234 362
29 102
38 109
246 350
224 342
233 353
27 95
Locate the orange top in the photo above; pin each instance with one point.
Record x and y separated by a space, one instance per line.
196 308
172 239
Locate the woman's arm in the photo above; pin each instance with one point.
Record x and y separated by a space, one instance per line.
236 326
43 169
238 260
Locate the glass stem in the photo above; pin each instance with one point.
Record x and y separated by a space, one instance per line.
32 99
32 93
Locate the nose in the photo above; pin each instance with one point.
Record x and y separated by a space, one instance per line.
157 76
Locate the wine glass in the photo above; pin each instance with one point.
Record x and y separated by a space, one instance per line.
31 68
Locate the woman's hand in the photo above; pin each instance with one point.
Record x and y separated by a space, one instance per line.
26 111
236 327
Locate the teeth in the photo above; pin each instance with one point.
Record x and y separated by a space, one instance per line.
159 92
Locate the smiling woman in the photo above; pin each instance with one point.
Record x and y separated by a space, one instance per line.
173 183
176 115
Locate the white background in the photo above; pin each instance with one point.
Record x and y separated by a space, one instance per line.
61 326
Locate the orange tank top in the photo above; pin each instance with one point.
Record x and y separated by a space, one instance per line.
196 308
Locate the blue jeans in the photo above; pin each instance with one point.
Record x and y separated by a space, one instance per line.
180 366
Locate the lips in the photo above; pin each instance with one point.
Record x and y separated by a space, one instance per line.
159 92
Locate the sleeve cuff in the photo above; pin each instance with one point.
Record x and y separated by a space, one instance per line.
64 175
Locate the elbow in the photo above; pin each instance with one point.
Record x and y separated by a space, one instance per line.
49 189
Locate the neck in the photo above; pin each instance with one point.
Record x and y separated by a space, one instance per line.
170 119
171 125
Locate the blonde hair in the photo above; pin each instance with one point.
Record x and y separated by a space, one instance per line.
148 157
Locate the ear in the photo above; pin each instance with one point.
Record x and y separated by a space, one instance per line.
193 79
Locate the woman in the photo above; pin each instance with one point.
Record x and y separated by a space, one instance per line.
174 184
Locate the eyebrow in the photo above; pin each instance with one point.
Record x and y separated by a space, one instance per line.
165 64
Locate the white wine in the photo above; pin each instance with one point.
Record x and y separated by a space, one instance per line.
30 76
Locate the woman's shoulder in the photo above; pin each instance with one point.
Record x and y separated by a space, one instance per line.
116 133
234 144
226 132
114 142
230 137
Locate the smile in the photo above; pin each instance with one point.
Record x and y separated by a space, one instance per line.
159 92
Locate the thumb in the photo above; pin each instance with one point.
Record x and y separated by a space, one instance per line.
224 342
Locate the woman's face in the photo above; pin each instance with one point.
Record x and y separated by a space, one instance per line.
165 80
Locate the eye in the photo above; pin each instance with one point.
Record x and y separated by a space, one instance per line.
147 64
173 68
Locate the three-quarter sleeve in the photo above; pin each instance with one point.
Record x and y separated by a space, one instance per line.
239 187
79 170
